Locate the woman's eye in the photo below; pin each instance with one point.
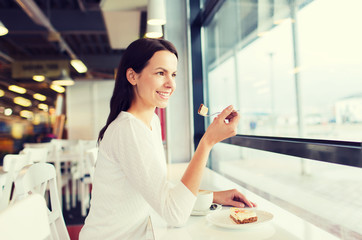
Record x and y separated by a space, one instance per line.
160 73
174 75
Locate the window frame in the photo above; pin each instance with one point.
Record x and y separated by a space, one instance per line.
346 153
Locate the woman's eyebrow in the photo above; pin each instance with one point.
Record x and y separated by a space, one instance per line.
164 69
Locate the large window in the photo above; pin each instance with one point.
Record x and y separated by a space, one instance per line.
293 70
310 75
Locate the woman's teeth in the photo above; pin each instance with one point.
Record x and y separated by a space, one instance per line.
164 94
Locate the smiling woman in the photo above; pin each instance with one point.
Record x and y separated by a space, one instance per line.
155 85
144 56
130 176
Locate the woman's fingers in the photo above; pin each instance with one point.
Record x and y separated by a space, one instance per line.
232 115
243 199
226 112
232 197
233 119
237 204
223 126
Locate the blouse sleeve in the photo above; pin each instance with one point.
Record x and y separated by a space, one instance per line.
140 161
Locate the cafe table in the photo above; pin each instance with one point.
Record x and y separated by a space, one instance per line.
283 225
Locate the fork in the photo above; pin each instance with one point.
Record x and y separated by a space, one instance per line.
209 115
203 111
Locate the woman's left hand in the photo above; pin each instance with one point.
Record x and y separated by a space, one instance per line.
233 198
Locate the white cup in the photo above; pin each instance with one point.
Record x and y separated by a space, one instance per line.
203 201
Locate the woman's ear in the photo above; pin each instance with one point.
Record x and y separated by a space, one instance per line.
131 76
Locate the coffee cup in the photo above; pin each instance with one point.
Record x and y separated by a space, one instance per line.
203 201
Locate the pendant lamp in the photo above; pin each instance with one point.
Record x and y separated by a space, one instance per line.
156 12
154 31
3 29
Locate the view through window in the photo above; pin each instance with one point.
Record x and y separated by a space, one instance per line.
291 71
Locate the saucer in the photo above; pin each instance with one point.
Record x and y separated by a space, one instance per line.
203 213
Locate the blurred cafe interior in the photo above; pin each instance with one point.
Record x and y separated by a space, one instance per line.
292 68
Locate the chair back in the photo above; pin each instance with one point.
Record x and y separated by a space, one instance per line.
25 219
38 154
65 144
39 145
15 162
36 179
91 159
12 164
83 165
88 144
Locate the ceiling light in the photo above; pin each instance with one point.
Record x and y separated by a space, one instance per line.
26 114
154 31
2 93
8 111
156 14
64 79
17 89
43 106
78 65
57 88
39 97
22 101
38 78
3 29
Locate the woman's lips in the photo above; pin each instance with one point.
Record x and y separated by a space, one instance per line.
164 95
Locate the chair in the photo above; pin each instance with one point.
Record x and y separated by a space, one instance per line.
87 179
12 165
25 219
91 159
53 156
78 170
67 151
38 154
35 180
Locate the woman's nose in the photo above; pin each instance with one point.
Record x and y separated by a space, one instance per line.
170 82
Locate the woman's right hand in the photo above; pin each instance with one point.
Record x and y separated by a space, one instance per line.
222 127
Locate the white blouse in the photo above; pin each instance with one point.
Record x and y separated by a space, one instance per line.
130 178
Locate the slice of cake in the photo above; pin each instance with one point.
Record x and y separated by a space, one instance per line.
241 215
203 110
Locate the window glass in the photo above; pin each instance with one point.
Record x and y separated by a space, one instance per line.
295 76
291 72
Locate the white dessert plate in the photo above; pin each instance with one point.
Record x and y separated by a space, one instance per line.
203 213
222 219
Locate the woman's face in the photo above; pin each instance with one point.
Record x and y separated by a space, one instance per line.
155 84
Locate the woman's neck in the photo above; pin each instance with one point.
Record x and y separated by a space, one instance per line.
145 115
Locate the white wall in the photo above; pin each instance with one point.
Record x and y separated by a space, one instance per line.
85 122
87 108
178 113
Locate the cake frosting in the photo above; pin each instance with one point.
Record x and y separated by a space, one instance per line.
241 215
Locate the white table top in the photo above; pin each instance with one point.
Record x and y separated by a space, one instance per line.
284 225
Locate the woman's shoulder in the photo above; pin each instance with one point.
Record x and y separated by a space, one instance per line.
156 118
123 118
123 121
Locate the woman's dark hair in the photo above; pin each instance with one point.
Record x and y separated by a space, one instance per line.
136 56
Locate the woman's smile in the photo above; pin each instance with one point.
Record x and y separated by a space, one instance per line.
156 83
164 95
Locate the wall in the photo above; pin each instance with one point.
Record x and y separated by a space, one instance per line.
87 108
85 121
179 122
